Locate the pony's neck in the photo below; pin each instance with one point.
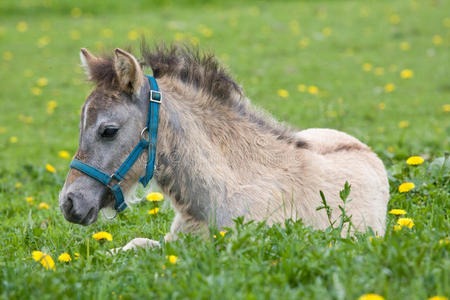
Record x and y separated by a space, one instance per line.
204 146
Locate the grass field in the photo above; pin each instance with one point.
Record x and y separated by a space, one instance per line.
378 70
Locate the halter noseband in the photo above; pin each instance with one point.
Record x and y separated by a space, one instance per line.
150 144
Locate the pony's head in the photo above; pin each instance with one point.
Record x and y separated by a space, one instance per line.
112 119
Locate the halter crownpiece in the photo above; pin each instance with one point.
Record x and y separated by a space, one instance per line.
150 144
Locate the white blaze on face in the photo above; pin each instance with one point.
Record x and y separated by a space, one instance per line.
85 111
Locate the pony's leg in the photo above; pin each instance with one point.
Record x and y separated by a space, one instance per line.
185 224
136 243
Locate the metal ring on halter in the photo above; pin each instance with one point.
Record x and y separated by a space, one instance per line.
109 218
143 131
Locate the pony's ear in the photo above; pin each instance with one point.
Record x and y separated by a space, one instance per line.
129 71
87 60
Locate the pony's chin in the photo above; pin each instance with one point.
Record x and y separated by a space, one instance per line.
90 218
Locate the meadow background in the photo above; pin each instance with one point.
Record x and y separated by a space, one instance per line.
378 70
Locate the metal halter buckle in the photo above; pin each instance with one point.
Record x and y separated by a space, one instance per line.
113 177
143 131
155 96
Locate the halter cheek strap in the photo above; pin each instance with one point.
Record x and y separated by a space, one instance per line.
113 181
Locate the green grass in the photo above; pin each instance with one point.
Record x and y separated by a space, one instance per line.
267 46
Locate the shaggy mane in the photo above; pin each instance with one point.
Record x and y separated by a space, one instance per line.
200 70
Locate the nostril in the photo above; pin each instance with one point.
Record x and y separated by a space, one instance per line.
69 202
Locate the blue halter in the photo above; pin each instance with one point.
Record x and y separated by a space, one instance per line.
118 176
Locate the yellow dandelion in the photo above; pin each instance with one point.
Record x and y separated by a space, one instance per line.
47 262
2 129
75 12
98 45
42 81
444 241
102 235
7 55
64 154
43 41
389 87
133 35
153 211
438 298
371 297
22 26
295 27
379 71
18 185
28 119
64 257
405 222
13 139
194 41
371 237
406 74
154 197
37 255
381 106
28 73
29 199
254 11
51 105
313 90
179 36
403 124
364 12
222 233
397 227
397 212
446 22
172 259
367 67
405 46
206 32
327 31
283 93
332 114
107 33
446 108
76 255
437 39
44 259
415 160
75 35
301 88
390 149
36 91
394 19
303 43
406 187
50 168
349 52
43 205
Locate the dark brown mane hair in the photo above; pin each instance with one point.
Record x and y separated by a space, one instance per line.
188 64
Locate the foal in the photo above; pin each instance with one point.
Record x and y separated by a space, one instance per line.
217 158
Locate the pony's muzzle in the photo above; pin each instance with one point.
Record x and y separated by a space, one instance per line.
77 210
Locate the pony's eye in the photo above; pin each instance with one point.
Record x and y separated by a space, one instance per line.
109 132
